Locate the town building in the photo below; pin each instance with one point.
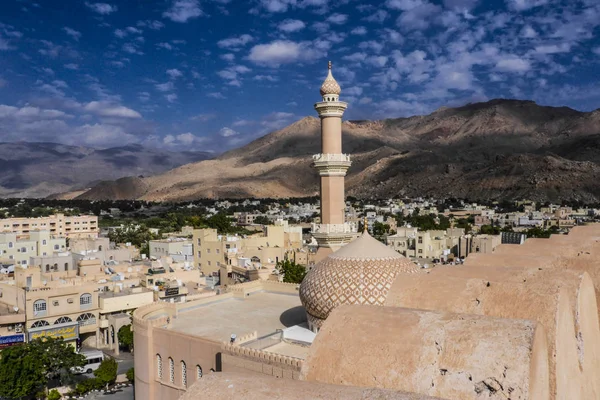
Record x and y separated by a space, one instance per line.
19 248
61 225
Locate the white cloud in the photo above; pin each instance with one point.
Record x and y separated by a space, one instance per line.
404 5
355 57
418 17
378 16
528 32
291 25
164 45
165 87
71 66
151 24
359 30
228 57
107 109
183 10
337 18
29 112
513 64
203 117
521 5
461 4
171 97
216 95
102 8
227 132
285 51
234 42
174 73
72 32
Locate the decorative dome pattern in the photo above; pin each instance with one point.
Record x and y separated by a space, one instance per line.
330 85
361 272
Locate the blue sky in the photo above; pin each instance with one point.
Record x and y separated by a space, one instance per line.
216 74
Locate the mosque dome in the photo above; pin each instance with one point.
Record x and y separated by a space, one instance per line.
330 85
361 272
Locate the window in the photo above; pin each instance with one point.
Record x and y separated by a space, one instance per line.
86 319
208 251
198 372
39 307
420 239
199 254
39 324
62 320
159 366
85 299
218 251
209 263
171 370
44 242
183 374
66 266
10 245
56 247
23 249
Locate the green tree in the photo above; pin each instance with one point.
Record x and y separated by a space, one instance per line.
54 395
107 371
125 336
292 272
130 374
26 368
262 220
21 373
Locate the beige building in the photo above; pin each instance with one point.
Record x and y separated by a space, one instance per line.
264 250
58 225
20 248
172 247
410 242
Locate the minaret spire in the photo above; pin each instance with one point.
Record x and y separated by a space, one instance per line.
333 232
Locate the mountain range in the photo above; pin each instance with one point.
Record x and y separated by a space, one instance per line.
497 150
42 169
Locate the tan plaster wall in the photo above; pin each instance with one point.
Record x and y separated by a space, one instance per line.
231 385
332 200
454 356
331 135
550 296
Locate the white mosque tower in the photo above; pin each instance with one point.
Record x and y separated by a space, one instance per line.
333 232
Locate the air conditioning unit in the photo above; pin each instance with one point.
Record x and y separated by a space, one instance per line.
70 301
55 303
18 329
9 328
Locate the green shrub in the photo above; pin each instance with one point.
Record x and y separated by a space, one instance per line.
89 384
54 395
130 375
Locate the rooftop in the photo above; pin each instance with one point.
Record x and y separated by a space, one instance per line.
263 312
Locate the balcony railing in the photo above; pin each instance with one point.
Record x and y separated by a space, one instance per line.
331 157
334 228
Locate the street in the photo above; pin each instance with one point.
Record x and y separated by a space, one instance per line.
125 393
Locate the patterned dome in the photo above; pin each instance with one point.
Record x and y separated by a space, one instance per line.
361 272
330 85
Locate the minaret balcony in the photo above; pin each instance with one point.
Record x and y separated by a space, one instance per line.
346 227
332 164
331 108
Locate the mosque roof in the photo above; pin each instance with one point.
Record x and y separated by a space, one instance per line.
361 272
330 85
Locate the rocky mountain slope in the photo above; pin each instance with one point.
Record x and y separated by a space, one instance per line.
500 149
41 169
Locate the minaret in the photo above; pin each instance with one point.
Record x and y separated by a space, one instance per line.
333 232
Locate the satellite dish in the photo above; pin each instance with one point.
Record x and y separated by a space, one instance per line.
44 283
16 309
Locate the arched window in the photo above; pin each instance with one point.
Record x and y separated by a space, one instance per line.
198 372
183 374
85 301
86 319
159 366
39 308
47 267
62 320
171 370
66 266
39 324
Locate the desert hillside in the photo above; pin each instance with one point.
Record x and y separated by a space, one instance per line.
43 169
500 149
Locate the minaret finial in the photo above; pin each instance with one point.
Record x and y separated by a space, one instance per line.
329 65
365 224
